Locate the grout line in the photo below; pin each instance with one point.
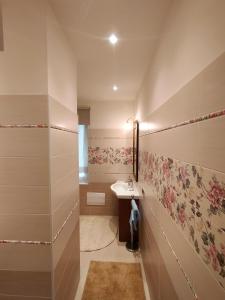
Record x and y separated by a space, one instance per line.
188 122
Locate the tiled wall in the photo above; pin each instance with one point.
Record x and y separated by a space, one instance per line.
109 155
64 200
39 235
1 31
39 228
182 174
111 202
25 264
109 159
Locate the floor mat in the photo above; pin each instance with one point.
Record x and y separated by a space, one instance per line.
114 281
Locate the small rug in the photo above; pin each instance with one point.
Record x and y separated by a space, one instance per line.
96 232
114 281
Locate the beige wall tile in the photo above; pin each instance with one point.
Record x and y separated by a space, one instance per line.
95 177
63 142
24 171
23 109
110 142
183 249
178 280
61 116
63 238
166 286
61 213
24 199
22 257
25 142
110 133
110 169
202 95
62 166
25 227
213 87
211 143
151 260
68 265
64 190
25 283
181 143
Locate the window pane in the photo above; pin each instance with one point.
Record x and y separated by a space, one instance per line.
83 153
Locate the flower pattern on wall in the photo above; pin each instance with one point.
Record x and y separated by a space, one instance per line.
110 155
97 155
121 155
194 198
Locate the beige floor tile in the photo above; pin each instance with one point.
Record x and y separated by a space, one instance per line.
116 252
97 232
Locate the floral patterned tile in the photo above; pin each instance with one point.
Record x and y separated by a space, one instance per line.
109 155
148 170
97 155
121 155
195 199
211 197
211 248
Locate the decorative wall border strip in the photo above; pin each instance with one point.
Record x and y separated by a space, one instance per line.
37 126
24 126
43 243
188 122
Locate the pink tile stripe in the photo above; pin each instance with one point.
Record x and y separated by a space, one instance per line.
23 126
37 126
42 243
188 122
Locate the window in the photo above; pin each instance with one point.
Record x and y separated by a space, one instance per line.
83 154
84 121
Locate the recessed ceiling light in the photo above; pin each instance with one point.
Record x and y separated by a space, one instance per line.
113 39
115 87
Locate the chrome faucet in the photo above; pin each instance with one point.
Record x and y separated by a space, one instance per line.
130 184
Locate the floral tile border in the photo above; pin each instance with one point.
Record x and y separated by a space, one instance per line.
194 197
110 155
29 126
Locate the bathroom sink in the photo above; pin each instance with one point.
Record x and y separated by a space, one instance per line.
120 188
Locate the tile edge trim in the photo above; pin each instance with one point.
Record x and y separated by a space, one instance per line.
188 122
29 126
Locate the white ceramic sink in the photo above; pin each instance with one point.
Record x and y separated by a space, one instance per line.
120 188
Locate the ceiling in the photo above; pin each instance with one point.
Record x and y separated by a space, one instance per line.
88 23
